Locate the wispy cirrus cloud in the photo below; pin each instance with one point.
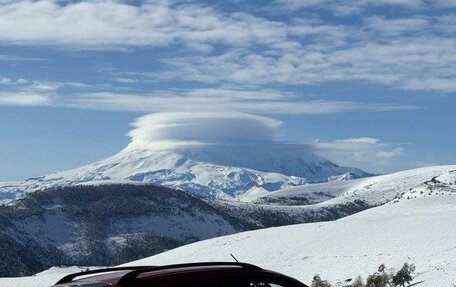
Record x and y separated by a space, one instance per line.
224 100
349 7
15 58
23 92
221 99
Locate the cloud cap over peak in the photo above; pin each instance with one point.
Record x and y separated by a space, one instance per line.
174 130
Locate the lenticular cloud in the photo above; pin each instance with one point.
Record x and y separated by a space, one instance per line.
170 130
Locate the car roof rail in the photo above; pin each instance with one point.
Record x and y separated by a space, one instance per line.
70 277
132 275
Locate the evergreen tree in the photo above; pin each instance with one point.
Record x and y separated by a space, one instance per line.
379 278
318 282
404 275
358 282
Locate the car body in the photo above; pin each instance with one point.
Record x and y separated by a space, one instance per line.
208 274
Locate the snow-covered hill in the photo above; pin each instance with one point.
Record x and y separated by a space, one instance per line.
419 231
369 237
103 225
103 217
230 171
376 190
333 200
443 184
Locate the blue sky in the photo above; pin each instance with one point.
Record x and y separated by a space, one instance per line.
367 83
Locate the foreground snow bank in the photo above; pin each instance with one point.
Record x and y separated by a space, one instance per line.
42 279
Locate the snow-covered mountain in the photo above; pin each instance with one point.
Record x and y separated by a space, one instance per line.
231 171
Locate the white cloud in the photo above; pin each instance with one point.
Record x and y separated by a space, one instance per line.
23 92
24 99
444 84
183 129
365 140
5 81
369 152
12 82
222 100
397 27
348 7
14 58
394 51
397 62
170 130
114 24
445 3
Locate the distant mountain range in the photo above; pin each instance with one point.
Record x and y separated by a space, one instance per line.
241 171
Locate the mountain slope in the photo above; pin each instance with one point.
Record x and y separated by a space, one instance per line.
105 224
419 231
376 190
239 171
124 219
333 200
102 225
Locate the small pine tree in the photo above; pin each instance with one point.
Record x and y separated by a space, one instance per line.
404 275
318 282
358 282
379 278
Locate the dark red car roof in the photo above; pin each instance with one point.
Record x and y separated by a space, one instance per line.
175 275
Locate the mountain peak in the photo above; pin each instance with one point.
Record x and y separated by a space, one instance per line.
223 155
231 171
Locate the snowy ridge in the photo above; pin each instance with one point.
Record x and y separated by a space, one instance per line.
241 171
334 200
444 184
376 190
